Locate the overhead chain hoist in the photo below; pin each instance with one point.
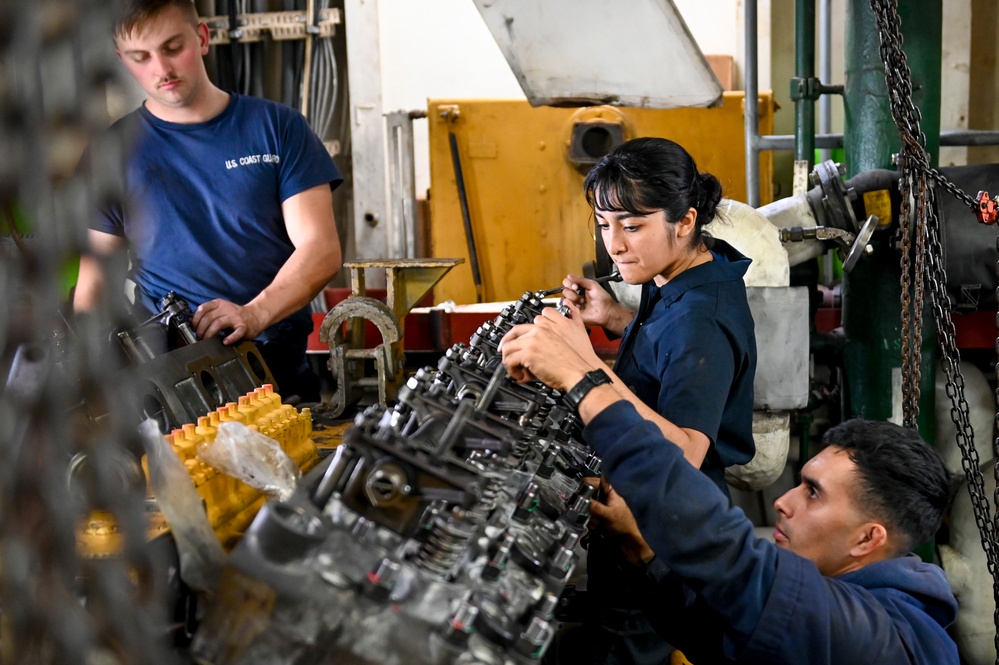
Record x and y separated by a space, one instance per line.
923 265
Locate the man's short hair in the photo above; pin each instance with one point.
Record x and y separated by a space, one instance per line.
902 481
134 13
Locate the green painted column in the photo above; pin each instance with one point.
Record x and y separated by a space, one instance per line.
870 136
871 293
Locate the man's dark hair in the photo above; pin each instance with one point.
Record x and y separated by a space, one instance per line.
134 13
901 480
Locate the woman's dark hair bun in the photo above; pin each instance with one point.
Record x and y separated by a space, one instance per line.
709 195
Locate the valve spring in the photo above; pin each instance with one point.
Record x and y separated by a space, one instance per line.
487 503
492 483
443 548
520 449
544 410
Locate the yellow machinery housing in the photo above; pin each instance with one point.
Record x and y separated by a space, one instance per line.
529 217
230 504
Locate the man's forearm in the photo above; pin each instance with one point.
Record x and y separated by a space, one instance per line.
91 282
308 218
684 518
306 272
90 285
598 399
317 257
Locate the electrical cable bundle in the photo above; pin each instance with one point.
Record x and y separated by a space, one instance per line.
324 83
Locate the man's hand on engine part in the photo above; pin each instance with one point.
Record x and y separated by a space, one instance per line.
612 517
535 352
571 330
217 315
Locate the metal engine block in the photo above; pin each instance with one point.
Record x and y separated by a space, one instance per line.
442 531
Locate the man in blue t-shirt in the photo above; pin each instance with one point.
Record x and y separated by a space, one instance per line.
229 199
837 586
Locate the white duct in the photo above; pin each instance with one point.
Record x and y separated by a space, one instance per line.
795 211
963 557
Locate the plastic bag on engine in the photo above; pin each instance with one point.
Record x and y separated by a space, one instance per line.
201 555
252 457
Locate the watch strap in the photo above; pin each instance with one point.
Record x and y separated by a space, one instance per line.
590 380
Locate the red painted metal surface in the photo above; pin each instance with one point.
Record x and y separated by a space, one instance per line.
438 329
976 330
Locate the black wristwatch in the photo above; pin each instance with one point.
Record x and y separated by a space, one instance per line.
590 380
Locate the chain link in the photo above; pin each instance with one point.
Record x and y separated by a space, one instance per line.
926 259
911 226
956 191
995 469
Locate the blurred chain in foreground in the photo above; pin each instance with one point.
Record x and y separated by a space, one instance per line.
67 420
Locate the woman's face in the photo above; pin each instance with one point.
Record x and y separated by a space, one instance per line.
645 246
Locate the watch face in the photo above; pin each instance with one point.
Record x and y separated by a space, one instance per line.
599 377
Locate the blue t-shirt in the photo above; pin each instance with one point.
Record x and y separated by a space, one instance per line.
204 216
690 354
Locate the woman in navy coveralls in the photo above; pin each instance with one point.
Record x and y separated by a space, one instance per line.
687 357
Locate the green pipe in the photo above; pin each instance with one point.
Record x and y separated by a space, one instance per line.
805 419
804 91
871 307
870 136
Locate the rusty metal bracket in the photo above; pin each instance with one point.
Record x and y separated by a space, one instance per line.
347 355
407 281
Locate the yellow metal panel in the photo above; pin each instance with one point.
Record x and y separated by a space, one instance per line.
529 218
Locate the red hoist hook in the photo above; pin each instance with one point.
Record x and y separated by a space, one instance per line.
986 209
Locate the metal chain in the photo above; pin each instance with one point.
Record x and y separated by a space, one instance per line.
911 307
917 280
916 173
910 157
995 469
958 193
959 413
59 604
906 114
